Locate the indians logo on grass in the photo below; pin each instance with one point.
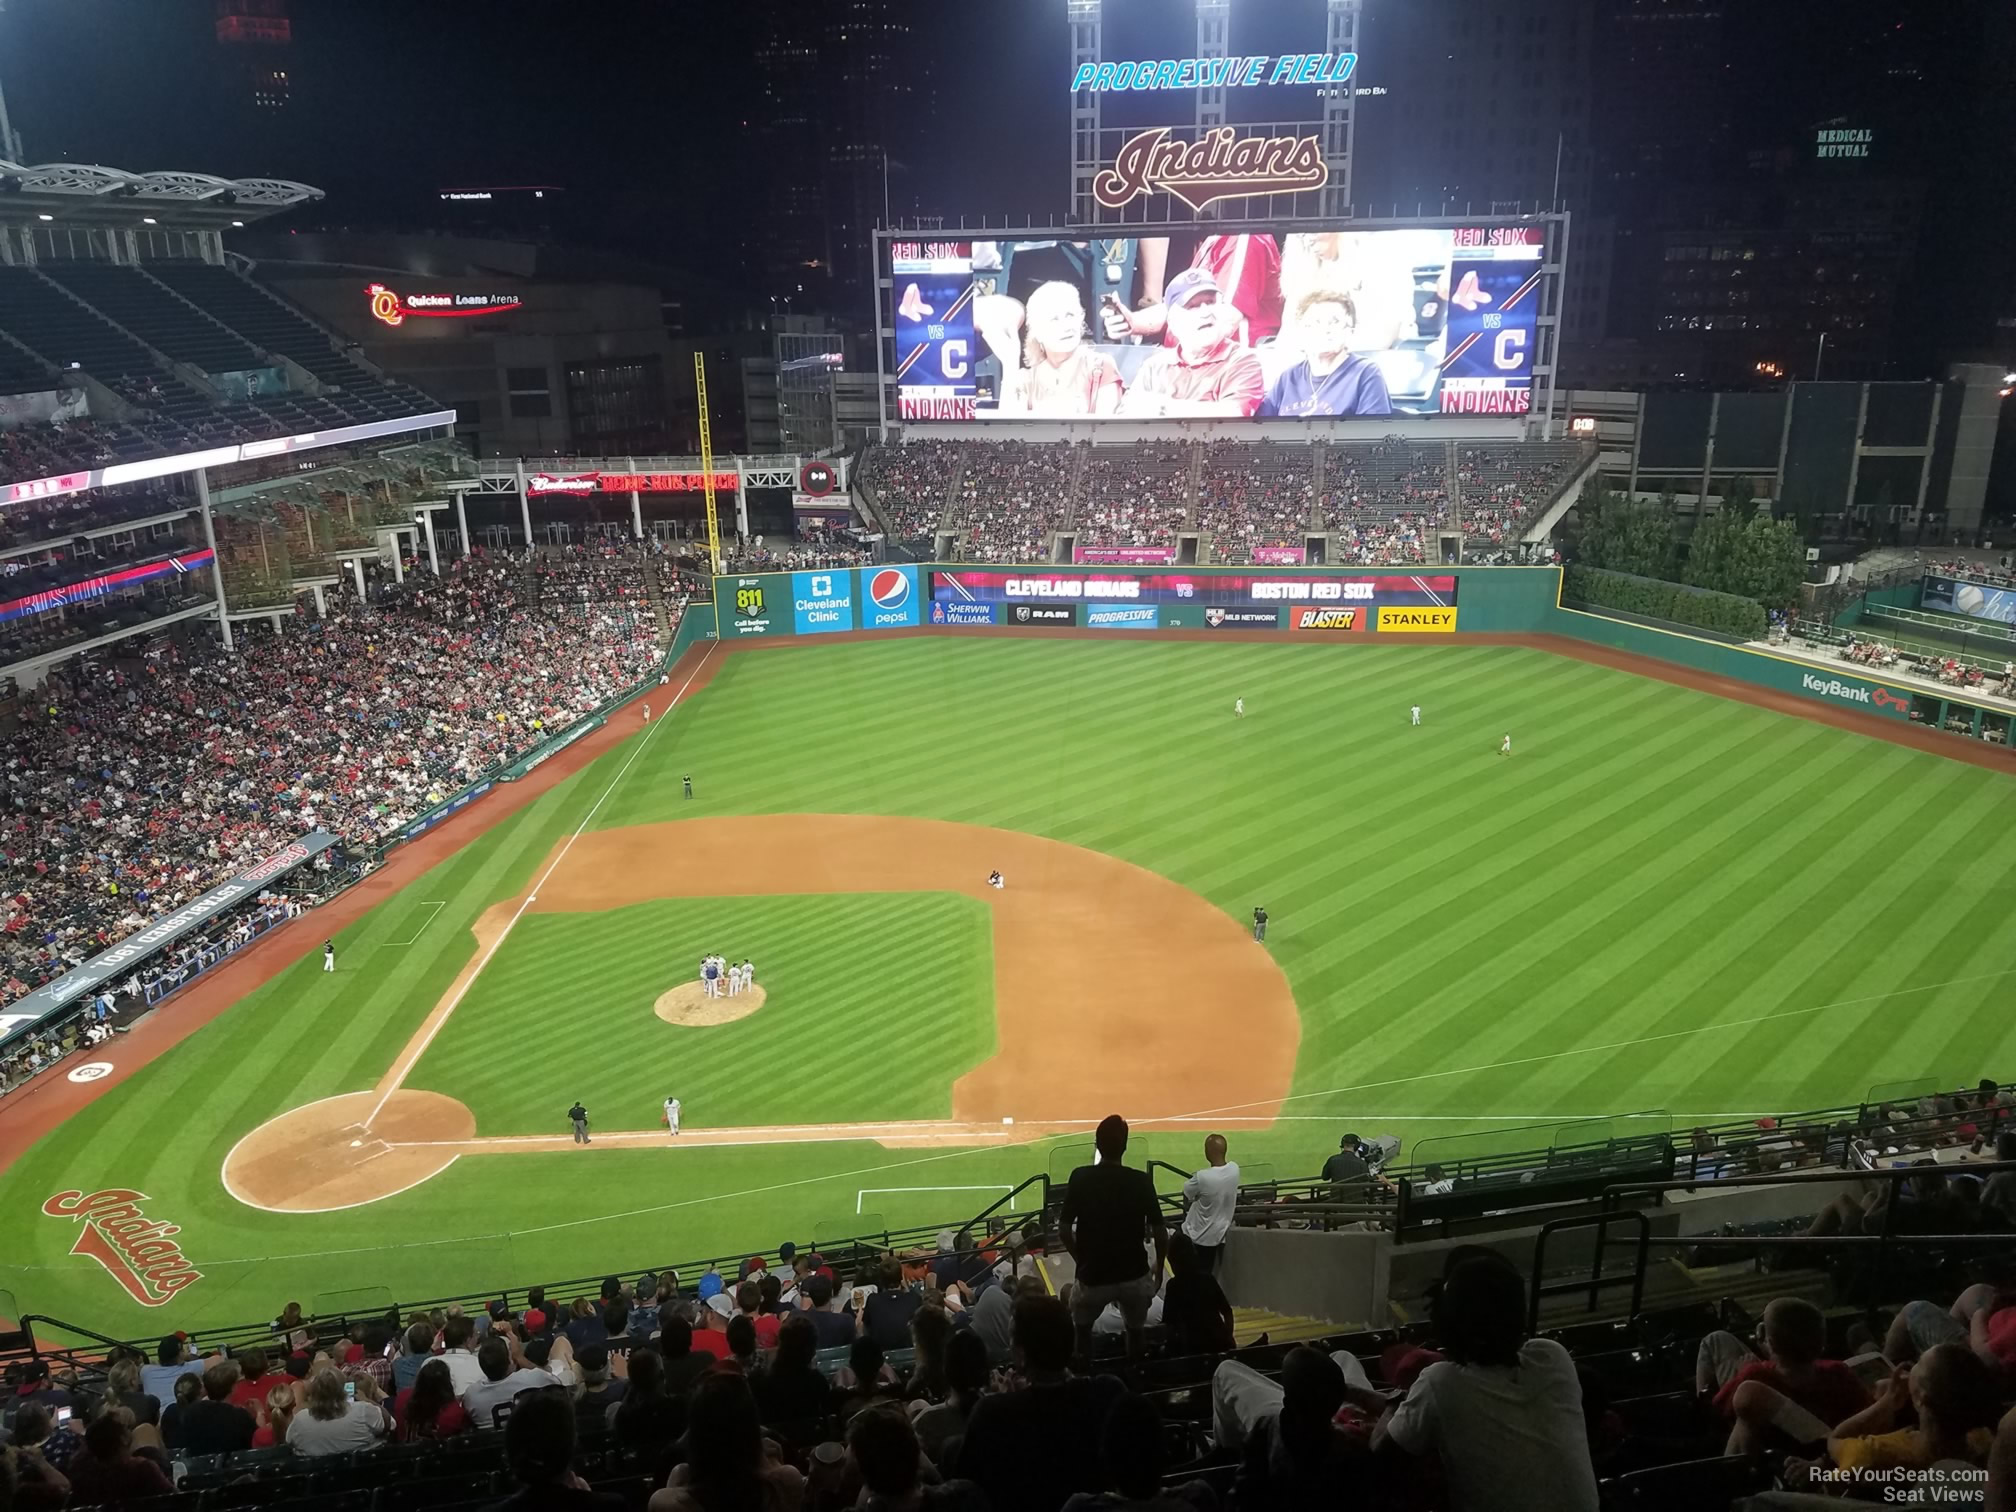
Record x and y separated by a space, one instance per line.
137 1251
889 589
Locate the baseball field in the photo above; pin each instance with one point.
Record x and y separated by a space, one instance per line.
1664 906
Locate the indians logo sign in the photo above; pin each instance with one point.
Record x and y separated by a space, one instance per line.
138 1252
1218 165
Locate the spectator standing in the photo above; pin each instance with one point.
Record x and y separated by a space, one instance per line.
1501 1412
1212 1194
1110 1213
1346 1170
463 1371
1053 1408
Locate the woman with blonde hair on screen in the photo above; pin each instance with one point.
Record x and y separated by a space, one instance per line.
1059 373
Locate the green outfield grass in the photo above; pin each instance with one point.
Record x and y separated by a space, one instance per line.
1664 903
837 1040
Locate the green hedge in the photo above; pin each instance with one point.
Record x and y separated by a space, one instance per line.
1724 613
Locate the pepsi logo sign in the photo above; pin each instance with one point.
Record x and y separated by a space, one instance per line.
889 589
892 598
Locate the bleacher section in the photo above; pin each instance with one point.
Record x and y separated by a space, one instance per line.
1379 501
128 328
1135 496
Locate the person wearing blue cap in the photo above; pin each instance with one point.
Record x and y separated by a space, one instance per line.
1206 371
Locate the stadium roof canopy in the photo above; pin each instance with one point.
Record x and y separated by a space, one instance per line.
89 195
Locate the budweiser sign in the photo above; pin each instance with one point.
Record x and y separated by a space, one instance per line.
563 483
1218 165
138 1252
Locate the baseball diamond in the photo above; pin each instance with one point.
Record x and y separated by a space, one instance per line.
1655 911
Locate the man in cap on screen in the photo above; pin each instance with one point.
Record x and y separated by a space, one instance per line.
1206 371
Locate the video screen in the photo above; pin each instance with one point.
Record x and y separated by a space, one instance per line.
1333 324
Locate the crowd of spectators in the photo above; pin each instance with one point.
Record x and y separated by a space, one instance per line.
1383 500
1254 495
1996 573
1012 496
911 482
1137 496
135 780
951 1377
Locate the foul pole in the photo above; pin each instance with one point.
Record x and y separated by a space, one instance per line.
707 466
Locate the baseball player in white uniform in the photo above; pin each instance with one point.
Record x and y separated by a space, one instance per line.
672 1115
1416 712
748 973
734 980
711 972
1505 746
1238 708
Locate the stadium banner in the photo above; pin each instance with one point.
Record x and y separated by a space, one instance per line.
1125 556
1123 616
890 598
1040 616
962 614
1286 322
756 605
822 602
46 1002
469 795
1352 619
107 582
1946 595
1215 618
1414 621
1279 556
1223 588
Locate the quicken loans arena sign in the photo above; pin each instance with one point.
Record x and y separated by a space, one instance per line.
1217 165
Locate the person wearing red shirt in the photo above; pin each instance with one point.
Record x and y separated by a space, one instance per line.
711 1337
255 1379
1206 372
749 1303
1789 1394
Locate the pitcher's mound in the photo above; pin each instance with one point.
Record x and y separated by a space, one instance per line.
689 1007
320 1157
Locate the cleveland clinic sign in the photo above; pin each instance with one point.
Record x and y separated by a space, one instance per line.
1215 73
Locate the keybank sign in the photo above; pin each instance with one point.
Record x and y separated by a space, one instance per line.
1877 700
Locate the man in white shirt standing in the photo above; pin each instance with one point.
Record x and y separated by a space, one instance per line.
463 1371
1211 1194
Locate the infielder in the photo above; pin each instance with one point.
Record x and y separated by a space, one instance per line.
688 781
328 955
672 1114
996 881
734 980
748 973
1416 712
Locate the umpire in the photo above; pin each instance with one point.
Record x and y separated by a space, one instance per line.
579 1116
1260 924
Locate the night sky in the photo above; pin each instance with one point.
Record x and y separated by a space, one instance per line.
635 106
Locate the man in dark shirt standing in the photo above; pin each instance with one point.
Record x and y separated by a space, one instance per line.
1109 1211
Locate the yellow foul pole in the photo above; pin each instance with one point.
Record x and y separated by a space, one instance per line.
707 466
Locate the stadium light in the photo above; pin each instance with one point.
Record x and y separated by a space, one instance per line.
45 217
148 220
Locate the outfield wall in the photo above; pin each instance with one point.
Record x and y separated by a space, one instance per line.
1309 602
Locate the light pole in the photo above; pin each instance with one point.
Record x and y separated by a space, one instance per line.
1819 352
